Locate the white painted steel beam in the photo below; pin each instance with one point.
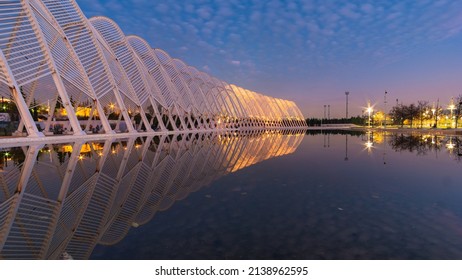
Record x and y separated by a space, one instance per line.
49 50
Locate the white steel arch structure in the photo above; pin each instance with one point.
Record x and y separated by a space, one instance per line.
60 69
63 199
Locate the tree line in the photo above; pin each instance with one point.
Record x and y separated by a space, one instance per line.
417 114
358 120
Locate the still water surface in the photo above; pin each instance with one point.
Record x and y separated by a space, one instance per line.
330 195
336 197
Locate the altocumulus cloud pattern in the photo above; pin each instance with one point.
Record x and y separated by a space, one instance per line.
58 68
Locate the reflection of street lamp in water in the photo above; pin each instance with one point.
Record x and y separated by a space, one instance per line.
346 147
384 155
450 146
370 142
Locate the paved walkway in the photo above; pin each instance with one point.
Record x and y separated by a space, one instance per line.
11 141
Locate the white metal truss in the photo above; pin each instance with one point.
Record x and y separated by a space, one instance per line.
88 77
61 200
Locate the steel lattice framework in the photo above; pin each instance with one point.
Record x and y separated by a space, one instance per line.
59 200
88 74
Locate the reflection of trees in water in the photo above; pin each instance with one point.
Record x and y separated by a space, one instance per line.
413 143
454 147
459 147
66 198
423 144
336 132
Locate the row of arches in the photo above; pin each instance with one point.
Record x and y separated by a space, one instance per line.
60 69
61 200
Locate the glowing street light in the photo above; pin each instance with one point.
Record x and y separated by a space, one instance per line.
369 111
433 116
385 111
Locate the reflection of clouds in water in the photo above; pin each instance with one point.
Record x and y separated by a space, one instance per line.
62 199
313 205
303 222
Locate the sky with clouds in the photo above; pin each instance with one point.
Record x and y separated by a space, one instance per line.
309 51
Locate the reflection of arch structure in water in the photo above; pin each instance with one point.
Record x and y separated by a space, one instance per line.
64 199
60 65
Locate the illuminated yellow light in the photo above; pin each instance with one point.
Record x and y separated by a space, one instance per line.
67 148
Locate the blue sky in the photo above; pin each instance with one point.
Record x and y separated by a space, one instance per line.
308 51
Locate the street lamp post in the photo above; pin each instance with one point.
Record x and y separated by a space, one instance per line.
436 112
385 111
346 95
369 111
451 108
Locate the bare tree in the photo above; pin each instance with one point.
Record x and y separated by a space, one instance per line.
437 112
458 108
398 114
423 108
412 112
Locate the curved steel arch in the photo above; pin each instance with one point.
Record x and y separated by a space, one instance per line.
79 32
212 92
203 109
50 53
135 72
201 84
177 109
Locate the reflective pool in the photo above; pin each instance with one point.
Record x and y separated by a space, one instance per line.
285 195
